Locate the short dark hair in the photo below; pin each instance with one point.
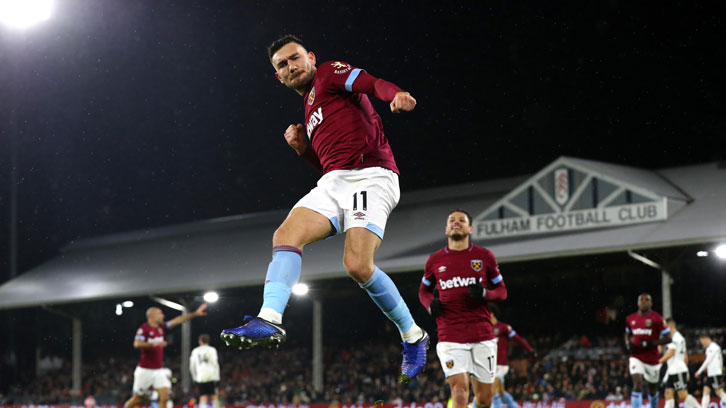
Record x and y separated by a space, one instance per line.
281 42
670 320
468 216
204 338
704 334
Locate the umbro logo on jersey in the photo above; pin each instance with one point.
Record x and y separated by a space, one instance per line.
359 215
442 269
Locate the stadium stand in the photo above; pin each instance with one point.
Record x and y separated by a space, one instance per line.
571 369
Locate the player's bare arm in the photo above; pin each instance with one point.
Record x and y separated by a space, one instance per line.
201 311
403 102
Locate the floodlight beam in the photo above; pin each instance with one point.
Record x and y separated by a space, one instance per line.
22 14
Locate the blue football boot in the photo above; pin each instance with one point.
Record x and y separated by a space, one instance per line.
414 358
254 332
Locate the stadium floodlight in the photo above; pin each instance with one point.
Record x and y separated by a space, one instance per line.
127 303
720 251
211 297
300 289
702 254
119 309
24 13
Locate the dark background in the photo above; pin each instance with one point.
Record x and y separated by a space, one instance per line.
132 114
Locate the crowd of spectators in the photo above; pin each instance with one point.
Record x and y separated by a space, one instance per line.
577 368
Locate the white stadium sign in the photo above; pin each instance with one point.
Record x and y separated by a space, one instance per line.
572 220
564 197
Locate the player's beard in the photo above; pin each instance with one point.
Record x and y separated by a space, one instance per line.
458 236
302 81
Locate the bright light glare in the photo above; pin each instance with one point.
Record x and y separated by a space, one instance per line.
119 309
127 303
211 297
721 251
24 13
702 254
300 289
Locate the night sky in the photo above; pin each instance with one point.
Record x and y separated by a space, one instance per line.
131 114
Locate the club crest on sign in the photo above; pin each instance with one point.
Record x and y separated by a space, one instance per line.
562 186
477 264
450 364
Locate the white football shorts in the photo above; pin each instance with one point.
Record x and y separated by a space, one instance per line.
477 359
651 372
355 198
147 378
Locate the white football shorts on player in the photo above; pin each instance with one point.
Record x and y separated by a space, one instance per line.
650 372
355 198
501 372
477 359
146 378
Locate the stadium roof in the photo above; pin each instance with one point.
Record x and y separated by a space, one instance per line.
685 206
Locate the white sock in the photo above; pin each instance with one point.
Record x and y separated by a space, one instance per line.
705 400
722 394
691 402
670 403
270 315
413 334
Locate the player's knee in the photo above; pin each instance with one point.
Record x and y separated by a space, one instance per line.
285 235
460 394
358 268
706 390
281 236
668 394
682 394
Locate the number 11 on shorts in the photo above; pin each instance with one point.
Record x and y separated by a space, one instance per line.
364 199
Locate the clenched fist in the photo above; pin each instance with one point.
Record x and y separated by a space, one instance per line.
295 137
402 102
